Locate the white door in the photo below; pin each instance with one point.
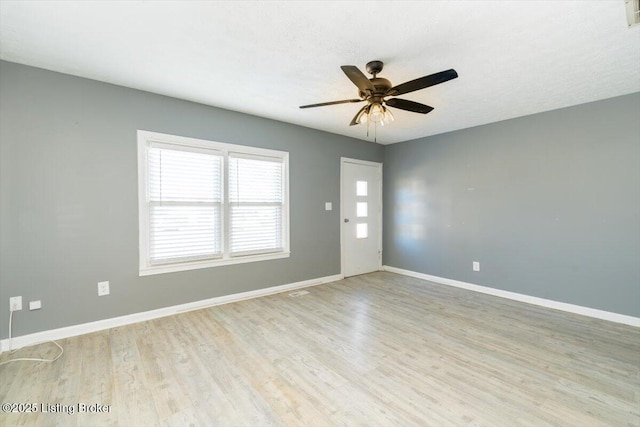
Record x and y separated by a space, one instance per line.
361 209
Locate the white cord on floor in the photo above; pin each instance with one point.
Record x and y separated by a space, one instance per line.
28 359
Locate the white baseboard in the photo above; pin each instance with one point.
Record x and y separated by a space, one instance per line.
571 308
100 325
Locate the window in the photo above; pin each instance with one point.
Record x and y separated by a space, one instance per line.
255 195
184 204
205 203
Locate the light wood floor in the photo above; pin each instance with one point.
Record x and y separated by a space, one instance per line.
379 349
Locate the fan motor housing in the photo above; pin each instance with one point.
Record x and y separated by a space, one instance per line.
381 86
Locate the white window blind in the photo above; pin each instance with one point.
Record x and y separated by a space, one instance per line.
205 203
256 199
184 196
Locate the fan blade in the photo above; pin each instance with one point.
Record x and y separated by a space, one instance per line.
423 82
403 104
358 78
322 104
354 120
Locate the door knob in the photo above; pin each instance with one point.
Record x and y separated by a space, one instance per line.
346 220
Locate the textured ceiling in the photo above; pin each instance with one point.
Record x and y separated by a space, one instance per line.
266 58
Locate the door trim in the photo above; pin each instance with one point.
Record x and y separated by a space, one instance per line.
378 165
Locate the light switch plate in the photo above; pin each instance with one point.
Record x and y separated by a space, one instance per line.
328 206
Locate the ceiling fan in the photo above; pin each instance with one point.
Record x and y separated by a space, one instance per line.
375 90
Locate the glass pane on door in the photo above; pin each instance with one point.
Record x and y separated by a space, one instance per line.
362 231
362 209
361 188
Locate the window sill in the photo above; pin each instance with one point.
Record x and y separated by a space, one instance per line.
194 265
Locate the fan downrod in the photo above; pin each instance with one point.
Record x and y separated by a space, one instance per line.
374 67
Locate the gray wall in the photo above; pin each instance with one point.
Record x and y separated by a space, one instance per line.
549 204
68 198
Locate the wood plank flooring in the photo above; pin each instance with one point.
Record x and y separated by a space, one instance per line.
378 350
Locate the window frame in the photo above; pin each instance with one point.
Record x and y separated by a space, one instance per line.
144 140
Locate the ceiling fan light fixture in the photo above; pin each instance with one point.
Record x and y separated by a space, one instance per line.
376 113
363 116
388 117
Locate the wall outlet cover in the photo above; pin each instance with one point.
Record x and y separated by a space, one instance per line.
35 305
103 289
476 266
15 303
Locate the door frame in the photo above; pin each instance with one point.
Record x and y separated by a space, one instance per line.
378 165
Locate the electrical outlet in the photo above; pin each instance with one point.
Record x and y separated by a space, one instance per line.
476 266
103 288
15 303
35 305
